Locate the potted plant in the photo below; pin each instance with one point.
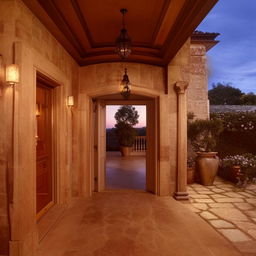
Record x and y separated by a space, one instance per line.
239 168
126 117
203 135
190 170
126 135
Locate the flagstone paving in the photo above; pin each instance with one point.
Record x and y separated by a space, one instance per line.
228 209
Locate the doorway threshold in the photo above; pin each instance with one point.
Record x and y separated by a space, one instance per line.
49 220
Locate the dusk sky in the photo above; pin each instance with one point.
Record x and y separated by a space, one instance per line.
233 59
111 110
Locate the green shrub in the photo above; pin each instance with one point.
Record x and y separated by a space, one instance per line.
239 134
126 134
247 163
204 134
238 121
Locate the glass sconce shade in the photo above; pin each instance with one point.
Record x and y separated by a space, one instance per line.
12 74
70 101
123 44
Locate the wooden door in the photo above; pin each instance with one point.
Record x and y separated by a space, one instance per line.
100 146
151 153
44 170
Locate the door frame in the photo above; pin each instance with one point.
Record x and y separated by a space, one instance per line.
55 95
98 167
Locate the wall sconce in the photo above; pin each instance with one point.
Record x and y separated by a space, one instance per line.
125 86
38 109
12 74
70 101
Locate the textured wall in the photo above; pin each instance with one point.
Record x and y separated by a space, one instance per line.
104 79
198 87
35 50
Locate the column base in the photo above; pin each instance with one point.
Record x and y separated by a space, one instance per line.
181 196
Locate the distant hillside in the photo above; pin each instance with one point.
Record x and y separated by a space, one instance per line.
111 139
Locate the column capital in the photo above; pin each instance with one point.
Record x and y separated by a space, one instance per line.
180 87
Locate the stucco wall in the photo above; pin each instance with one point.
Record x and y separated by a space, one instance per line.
35 50
198 87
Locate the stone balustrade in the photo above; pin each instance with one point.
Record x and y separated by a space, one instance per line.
139 145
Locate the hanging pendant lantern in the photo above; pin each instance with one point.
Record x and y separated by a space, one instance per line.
125 86
123 41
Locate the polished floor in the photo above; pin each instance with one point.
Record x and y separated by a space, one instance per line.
127 223
125 172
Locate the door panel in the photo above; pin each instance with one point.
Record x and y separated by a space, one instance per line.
151 158
100 146
44 174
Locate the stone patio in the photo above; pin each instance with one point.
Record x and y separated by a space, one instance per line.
229 210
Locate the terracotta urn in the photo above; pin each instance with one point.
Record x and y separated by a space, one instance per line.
125 151
207 164
190 175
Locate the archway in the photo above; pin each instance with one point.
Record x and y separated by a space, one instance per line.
98 157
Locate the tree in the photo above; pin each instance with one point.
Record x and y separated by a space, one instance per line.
249 99
225 94
127 114
126 117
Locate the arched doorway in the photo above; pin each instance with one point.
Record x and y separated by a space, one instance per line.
98 145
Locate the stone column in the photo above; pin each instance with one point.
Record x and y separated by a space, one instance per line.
181 187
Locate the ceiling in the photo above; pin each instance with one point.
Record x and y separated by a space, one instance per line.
88 28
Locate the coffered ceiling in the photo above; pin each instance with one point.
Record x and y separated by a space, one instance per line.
88 28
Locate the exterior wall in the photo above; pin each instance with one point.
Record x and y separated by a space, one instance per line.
23 37
37 50
104 79
198 88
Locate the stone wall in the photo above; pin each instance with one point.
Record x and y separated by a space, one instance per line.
102 80
25 41
231 108
198 86
147 80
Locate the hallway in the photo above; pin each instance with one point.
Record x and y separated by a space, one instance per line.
132 224
125 172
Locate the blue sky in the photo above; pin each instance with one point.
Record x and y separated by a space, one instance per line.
233 59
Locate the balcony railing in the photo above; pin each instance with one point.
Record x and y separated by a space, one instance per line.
139 145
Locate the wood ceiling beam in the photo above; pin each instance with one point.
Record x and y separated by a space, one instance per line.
175 25
60 21
190 17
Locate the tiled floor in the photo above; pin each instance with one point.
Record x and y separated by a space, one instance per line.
126 223
228 209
